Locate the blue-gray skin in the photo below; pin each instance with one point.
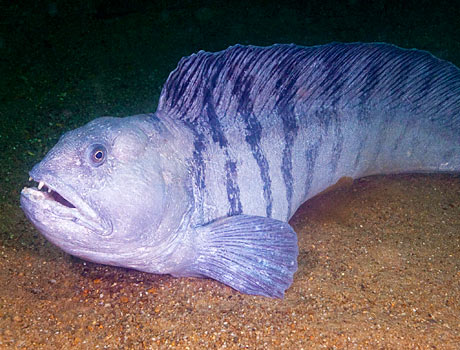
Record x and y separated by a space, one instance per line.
241 138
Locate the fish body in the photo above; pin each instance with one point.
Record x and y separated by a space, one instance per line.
241 138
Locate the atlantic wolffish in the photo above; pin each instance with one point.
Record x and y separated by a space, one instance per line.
241 138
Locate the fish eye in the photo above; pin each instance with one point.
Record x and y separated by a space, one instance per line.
98 155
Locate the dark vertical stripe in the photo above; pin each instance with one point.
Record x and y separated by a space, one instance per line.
290 129
218 136
286 170
211 125
337 147
210 117
362 144
311 155
285 109
253 136
233 191
198 170
243 87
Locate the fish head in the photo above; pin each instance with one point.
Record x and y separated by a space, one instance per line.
100 189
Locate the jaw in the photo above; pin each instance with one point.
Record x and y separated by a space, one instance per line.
75 234
60 213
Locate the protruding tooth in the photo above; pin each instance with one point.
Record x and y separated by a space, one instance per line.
49 190
30 178
40 185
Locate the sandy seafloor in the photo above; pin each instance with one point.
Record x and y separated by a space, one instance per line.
379 263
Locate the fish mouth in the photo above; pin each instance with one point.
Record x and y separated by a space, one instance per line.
58 201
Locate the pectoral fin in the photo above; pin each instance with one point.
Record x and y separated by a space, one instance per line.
252 254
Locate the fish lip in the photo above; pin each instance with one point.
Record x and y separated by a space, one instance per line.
81 213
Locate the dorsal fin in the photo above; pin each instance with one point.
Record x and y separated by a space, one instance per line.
251 79
230 79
